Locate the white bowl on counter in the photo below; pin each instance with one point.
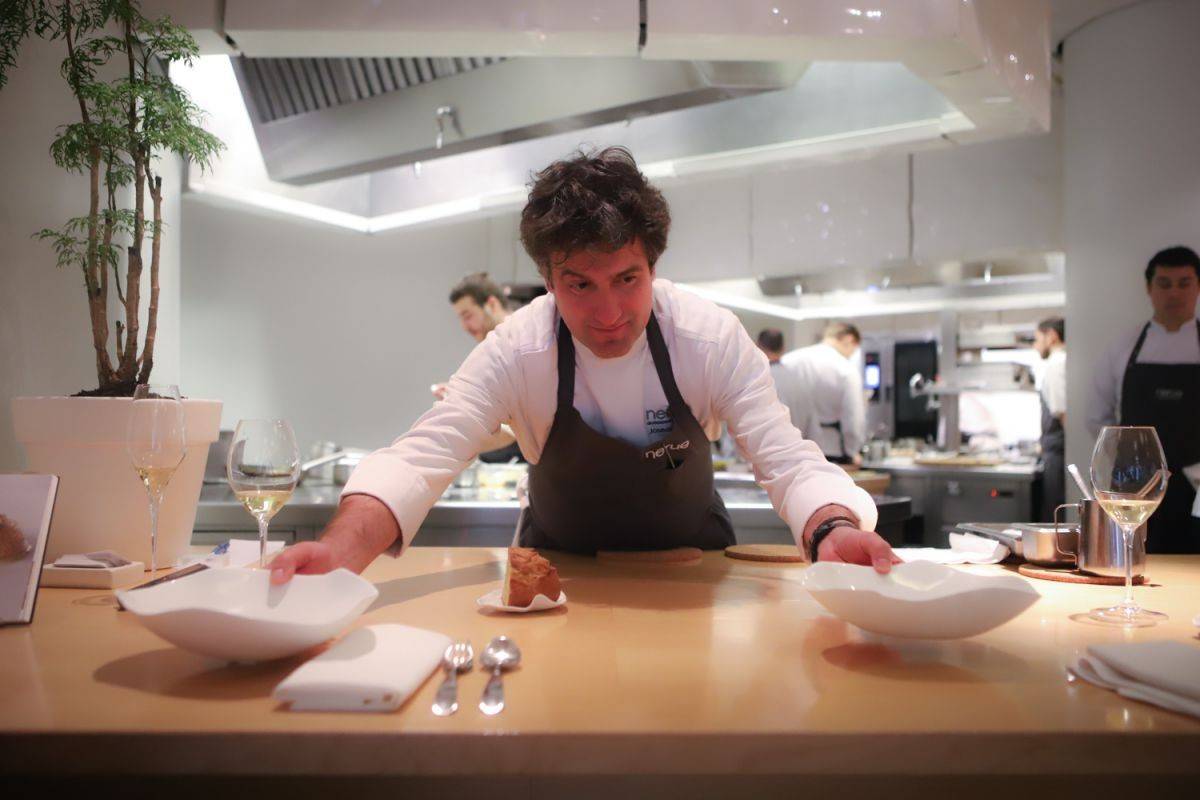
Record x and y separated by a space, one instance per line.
918 600
237 615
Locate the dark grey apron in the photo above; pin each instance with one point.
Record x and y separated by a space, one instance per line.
1167 396
592 492
844 458
1054 479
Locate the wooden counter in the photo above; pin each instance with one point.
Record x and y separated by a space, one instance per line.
722 668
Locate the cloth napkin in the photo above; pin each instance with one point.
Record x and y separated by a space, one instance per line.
1164 673
101 559
375 668
238 553
965 548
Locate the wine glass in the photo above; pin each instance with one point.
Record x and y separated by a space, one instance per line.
156 442
1129 473
263 468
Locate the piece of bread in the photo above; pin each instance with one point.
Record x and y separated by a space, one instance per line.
12 541
528 575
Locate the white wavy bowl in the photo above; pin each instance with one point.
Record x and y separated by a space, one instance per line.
236 615
918 600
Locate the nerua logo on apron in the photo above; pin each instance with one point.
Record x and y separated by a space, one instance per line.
667 449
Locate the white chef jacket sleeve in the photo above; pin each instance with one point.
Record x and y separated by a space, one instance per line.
414 471
797 477
1105 390
1056 386
854 414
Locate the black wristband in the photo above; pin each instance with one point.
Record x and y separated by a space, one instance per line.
824 529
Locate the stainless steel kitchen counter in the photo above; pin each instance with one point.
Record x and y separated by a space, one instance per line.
481 517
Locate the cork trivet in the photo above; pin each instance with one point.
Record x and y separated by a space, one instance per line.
778 553
677 555
1074 576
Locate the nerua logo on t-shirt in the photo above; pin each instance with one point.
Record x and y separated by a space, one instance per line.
658 421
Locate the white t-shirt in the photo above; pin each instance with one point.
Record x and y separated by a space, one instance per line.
512 377
622 397
1054 381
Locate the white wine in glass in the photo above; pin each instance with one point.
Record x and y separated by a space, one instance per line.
156 442
1129 474
263 468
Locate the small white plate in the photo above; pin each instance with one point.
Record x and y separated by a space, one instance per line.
491 600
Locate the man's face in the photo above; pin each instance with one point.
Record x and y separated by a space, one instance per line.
476 320
1173 292
605 298
1041 343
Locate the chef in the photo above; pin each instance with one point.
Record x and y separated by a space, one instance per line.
1050 343
1151 376
787 386
614 383
480 307
834 405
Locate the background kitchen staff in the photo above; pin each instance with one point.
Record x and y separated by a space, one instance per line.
787 386
831 406
1050 342
586 376
480 306
1151 376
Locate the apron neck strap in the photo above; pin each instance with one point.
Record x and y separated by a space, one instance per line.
658 352
1137 347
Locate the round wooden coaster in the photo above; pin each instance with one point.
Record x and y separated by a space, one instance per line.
1074 576
778 553
678 555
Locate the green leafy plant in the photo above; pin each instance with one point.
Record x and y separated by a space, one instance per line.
129 113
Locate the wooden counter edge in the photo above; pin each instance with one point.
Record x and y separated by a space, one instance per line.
353 754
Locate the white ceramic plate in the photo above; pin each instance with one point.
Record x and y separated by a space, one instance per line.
491 600
918 600
236 615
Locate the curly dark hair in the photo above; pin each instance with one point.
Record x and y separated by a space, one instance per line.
592 201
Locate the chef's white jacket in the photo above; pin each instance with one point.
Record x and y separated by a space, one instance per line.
831 391
512 376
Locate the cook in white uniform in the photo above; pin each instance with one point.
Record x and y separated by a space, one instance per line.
1050 343
787 384
831 409
614 383
1151 376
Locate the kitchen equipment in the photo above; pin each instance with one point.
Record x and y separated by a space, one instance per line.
346 465
458 658
877 450
318 468
238 615
1100 546
501 653
919 600
1084 489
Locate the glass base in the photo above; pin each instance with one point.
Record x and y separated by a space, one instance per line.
1127 616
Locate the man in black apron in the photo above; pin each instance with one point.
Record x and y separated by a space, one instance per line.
1167 397
1050 343
636 474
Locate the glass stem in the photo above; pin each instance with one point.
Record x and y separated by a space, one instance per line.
263 522
154 501
1127 535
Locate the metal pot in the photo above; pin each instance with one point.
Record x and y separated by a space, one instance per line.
1100 544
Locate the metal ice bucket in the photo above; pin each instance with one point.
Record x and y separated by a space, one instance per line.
1100 546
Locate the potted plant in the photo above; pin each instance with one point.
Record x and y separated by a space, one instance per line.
130 116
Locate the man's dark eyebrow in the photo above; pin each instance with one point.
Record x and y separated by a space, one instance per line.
572 273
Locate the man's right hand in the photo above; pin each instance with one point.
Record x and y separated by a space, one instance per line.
362 528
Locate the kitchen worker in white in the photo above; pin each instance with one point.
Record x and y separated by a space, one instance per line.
787 385
834 406
1151 376
1051 344
480 306
615 383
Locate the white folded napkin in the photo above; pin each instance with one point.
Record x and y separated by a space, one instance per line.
375 668
965 548
101 559
1165 673
239 553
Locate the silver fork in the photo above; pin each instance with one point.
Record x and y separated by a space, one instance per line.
457 658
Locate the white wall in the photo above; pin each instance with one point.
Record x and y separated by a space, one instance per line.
339 332
1131 174
45 330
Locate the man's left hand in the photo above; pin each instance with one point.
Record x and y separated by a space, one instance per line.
854 546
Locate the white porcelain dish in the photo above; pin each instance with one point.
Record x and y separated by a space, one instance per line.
918 600
236 615
491 601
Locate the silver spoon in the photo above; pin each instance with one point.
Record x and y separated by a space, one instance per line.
457 658
501 653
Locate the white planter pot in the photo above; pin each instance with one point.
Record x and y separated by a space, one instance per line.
101 503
